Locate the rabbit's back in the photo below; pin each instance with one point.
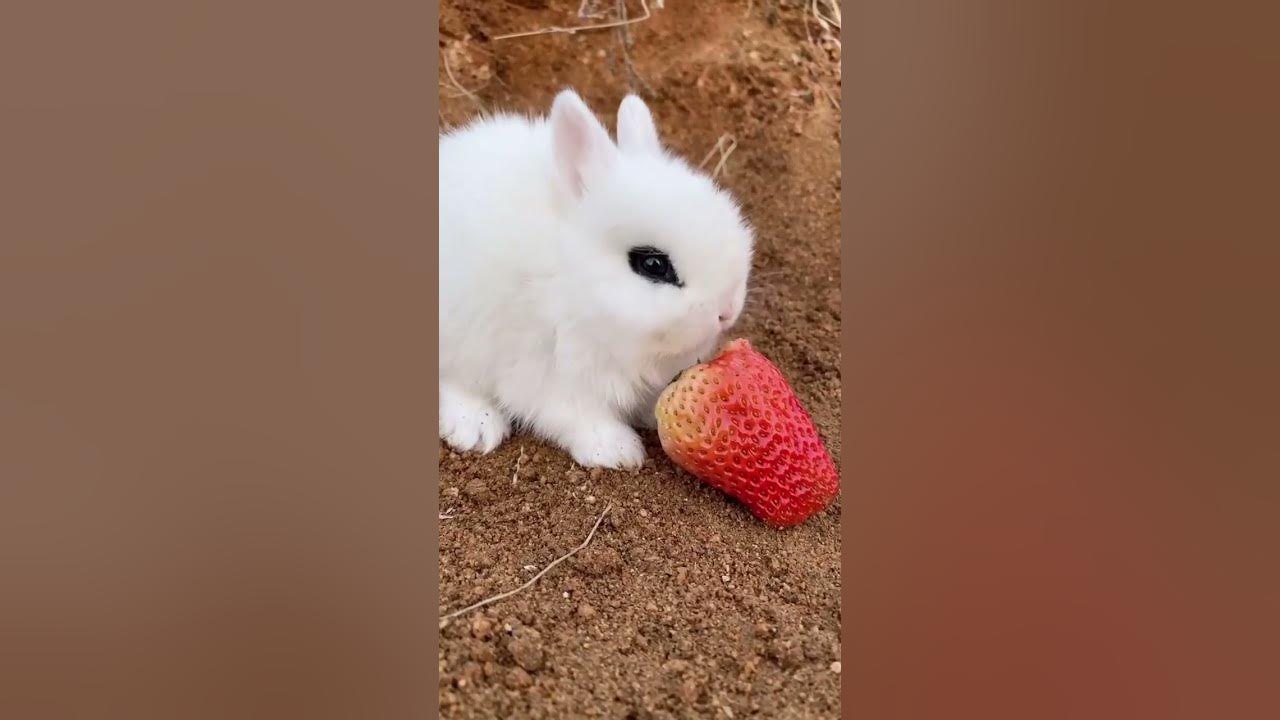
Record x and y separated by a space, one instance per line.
497 229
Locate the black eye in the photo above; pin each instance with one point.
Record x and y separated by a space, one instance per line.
653 264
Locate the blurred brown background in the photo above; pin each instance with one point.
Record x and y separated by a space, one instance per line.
216 395
1062 399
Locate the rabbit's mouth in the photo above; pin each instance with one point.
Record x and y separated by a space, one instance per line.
698 360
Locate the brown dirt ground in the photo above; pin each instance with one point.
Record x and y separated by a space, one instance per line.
684 605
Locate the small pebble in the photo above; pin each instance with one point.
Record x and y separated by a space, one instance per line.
644 513
527 653
518 678
675 666
476 489
591 499
835 667
526 632
689 691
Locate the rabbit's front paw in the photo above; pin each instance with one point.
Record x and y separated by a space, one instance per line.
470 423
607 444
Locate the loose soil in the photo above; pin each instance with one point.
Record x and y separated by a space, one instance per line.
683 605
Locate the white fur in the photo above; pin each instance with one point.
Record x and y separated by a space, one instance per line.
542 321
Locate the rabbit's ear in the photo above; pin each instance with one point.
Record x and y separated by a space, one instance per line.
636 131
579 143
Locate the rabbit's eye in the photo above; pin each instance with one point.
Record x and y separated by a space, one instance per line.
653 264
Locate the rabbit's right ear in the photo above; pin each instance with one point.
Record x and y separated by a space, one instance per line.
636 130
580 145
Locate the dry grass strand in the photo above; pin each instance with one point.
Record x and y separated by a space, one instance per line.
835 103
444 620
815 7
449 71
725 145
515 475
581 28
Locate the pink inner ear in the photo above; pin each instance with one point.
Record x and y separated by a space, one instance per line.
571 146
580 147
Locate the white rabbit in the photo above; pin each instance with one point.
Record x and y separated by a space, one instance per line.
577 277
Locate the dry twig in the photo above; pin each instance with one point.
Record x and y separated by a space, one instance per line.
624 40
835 9
580 28
725 145
446 618
449 70
835 103
516 474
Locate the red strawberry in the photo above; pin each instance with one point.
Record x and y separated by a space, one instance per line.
735 423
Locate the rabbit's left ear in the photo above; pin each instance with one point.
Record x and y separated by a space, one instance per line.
636 131
580 146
